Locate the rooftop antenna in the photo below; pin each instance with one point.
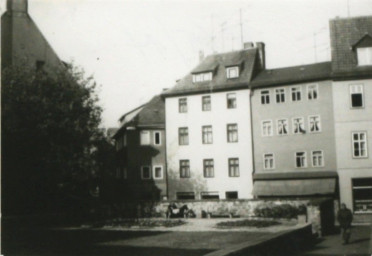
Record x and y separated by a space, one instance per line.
241 29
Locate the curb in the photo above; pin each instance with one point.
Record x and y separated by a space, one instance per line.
243 248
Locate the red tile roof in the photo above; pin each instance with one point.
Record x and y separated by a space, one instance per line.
345 33
247 59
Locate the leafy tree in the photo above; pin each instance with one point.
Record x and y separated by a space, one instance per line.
49 136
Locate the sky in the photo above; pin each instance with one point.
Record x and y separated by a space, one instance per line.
136 48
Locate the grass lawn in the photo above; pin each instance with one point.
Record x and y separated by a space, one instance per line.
247 223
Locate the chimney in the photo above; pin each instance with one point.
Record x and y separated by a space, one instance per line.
261 51
17 5
247 45
201 56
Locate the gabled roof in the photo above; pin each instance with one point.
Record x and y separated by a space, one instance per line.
346 33
217 63
290 75
151 114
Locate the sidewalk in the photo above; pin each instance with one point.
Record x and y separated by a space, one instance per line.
360 244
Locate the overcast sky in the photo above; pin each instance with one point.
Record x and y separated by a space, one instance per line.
134 49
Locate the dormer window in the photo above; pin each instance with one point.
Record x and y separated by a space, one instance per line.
202 77
364 56
232 72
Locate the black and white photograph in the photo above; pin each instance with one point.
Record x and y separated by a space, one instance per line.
186 128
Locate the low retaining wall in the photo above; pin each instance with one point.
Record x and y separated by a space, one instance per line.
286 243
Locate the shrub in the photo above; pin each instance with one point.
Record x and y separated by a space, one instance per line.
280 211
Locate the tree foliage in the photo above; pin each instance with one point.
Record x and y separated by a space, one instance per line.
49 135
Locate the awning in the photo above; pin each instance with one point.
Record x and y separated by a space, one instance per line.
306 187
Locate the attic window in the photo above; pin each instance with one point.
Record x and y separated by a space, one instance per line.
364 56
202 77
232 72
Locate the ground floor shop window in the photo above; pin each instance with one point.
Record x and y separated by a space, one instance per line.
209 195
362 195
231 195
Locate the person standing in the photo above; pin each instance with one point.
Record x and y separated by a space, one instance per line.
344 217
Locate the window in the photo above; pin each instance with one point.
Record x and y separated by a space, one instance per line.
231 194
158 172
231 100
312 91
184 168
208 168
232 72
145 172
314 123
269 161
364 56
296 93
232 133
280 95
301 159
356 95
145 138
185 195
362 195
118 173
202 77
125 173
359 140
157 138
182 105
207 134
234 167
267 128
209 195
298 125
206 103
265 97
282 125
183 136
317 158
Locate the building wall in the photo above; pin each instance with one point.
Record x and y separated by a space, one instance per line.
348 120
220 150
133 156
284 146
22 41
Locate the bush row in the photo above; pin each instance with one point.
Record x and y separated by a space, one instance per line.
280 211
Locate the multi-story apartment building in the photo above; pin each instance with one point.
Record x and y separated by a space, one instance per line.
140 145
351 45
208 127
22 43
293 132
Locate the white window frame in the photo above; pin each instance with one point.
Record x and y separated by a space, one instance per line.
264 161
154 134
309 123
321 155
189 169
305 159
202 77
142 168
208 133
276 94
294 126
313 88
203 103
231 96
125 173
236 172
182 108
299 90
153 172
230 132
356 89
265 97
271 132
364 55
359 141
208 166
277 126
231 75
142 143
187 137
